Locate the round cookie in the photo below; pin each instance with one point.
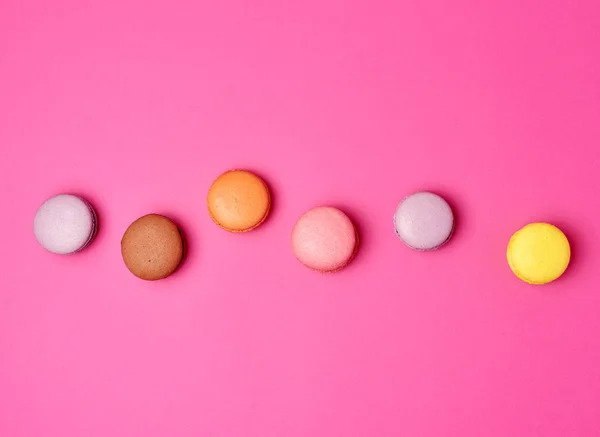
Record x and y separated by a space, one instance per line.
152 247
238 201
324 239
538 253
65 224
424 221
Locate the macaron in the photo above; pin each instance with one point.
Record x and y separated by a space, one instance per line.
424 221
324 239
152 247
65 224
538 253
238 201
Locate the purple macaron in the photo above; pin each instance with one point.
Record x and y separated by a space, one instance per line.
424 221
65 224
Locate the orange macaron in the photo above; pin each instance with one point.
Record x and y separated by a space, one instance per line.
238 201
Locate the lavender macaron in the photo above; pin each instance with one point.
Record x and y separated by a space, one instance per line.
424 221
65 224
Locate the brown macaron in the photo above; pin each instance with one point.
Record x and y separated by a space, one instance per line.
152 247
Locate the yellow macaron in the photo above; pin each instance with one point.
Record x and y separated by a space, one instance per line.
538 253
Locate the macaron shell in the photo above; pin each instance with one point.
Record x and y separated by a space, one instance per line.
325 239
349 260
239 201
152 247
424 221
539 253
65 224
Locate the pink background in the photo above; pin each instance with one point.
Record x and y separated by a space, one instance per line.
139 105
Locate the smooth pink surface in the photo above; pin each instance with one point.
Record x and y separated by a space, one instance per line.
324 239
139 105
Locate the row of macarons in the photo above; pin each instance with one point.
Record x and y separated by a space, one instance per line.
324 238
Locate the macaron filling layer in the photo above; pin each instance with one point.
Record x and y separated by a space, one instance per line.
94 230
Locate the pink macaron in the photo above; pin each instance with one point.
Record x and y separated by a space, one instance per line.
324 239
